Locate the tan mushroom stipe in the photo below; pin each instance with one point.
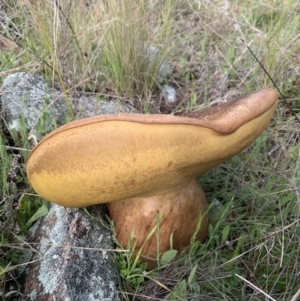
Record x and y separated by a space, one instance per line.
111 158
181 209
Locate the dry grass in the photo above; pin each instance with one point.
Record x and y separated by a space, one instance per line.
102 47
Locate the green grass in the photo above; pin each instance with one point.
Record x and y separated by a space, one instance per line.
252 248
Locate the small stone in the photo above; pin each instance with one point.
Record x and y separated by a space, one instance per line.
169 94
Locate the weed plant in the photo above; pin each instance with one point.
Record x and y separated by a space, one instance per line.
103 48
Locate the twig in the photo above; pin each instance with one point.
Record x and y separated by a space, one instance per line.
271 79
295 297
255 287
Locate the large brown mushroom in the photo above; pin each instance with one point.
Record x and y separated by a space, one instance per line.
112 158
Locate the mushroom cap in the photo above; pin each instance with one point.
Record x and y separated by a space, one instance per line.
181 210
114 157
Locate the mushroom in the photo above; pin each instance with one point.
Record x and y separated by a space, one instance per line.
105 159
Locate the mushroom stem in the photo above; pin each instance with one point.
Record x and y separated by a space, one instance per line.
181 211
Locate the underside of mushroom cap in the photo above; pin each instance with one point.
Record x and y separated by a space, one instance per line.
109 158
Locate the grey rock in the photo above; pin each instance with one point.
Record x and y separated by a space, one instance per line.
91 106
73 259
27 99
165 69
169 94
